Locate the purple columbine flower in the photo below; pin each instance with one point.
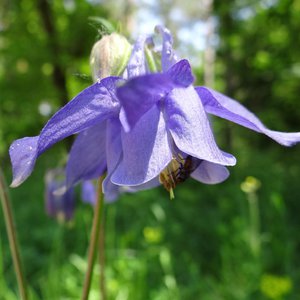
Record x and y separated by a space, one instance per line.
94 116
143 129
166 131
58 205
59 202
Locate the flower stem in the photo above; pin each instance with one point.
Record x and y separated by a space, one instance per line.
94 240
11 232
102 260
255 242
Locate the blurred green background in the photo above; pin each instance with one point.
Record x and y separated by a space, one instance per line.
236 240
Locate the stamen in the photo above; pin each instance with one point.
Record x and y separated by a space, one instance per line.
172 196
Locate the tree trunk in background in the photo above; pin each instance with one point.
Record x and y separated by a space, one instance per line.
226 27
209 51
59 77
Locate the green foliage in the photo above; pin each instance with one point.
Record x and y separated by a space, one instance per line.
260 59
32 55
198 244
211 242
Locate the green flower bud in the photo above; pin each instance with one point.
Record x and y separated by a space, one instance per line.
109 56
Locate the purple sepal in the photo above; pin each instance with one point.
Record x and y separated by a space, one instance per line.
87 158
93 105
190 128
222 106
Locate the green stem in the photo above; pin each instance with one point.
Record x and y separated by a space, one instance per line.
94 240
102 260
11 232
254 223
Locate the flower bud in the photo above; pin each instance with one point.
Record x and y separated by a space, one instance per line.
109 56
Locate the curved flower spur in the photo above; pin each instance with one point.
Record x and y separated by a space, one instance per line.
166 131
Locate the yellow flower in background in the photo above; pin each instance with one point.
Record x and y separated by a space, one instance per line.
275 287
152 235
250 185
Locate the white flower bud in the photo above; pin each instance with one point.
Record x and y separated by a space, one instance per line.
109 56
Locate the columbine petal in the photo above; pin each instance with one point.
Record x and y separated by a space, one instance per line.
190 127
93 105
168 55
141 93
146 150
87 159
222 106
210 173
